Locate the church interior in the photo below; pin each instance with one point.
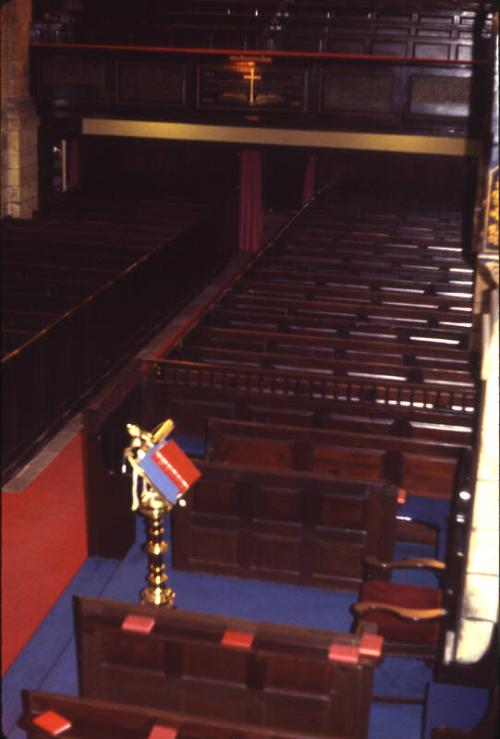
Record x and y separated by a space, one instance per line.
259 237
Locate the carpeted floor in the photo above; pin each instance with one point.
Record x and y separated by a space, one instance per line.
49 660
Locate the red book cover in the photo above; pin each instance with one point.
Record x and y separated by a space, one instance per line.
347 654
163 732
139 624
371 645
52 722
183 469
240 639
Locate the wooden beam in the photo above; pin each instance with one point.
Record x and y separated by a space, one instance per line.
167 130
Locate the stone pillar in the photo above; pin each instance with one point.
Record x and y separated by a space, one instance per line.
19 121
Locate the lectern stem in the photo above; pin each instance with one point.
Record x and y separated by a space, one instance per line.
156 592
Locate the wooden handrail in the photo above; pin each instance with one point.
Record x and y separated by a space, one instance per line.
412 614
190 51
406 564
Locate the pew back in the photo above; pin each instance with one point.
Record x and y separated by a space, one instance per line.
421 467
280 677
97 719
287 526
192 391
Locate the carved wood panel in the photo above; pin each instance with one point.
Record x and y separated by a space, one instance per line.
440 95
258 87
354 92
71 77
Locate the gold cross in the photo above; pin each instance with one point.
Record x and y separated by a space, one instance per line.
252 77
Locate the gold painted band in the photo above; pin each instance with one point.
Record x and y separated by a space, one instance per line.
411 144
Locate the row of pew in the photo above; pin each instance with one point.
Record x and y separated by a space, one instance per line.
82 285
333 382
331 386
367 316
148 672
374 384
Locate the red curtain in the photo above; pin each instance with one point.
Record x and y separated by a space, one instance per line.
309 187
74 163
250 206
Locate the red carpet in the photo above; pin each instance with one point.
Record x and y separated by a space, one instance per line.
43 545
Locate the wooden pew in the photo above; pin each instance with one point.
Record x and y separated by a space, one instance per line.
236 314
279 677
276 266
364 250
58 304
35 255
276 269
191 391
320 302
97 719
74 316
283 359
286 526
189 394
420 467
33 286
367 350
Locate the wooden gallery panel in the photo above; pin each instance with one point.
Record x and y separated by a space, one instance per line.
70 78
251 86
351 92
151 83
439 94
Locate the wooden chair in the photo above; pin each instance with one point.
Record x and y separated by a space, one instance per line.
407 616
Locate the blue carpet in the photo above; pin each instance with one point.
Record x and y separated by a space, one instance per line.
454 706
402 678
218 595
49 661
395 721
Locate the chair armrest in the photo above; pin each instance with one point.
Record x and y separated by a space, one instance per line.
418 563
411 614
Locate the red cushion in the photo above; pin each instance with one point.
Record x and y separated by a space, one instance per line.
394 628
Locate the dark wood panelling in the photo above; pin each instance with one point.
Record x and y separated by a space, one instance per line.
421 467
105 720
368 93
71 78
440 95
388 27
290 527
274 88
104 263
151 83
379 95
284 680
